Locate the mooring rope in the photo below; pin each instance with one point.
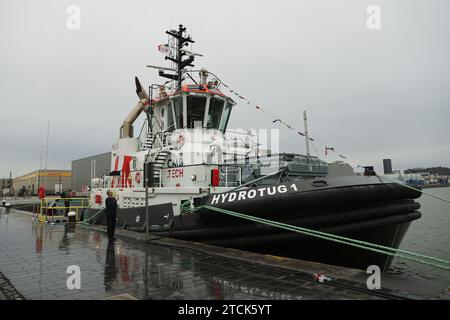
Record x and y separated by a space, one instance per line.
90 218
417 257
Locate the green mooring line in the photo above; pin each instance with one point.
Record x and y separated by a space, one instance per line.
343 240
90 218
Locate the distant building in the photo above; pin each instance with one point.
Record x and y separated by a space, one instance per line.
54 182
387 166
5 186
86 169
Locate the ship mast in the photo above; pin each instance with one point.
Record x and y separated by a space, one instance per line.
305 119
181 41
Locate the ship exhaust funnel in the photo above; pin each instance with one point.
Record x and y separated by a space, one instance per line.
126 130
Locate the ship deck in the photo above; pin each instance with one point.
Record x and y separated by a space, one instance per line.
34 259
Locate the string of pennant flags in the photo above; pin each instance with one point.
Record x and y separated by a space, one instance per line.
259 108
276 120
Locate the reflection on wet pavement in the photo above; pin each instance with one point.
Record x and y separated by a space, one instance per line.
35 257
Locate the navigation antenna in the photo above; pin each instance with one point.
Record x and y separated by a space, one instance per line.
181 40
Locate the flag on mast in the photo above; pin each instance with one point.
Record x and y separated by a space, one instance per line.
164 48
328 149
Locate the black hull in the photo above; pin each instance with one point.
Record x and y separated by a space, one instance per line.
306 248
370 211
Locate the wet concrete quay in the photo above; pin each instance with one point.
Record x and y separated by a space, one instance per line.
34 258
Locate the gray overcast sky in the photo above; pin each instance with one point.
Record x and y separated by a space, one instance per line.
370 94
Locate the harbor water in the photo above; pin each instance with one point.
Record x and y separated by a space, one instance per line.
429 235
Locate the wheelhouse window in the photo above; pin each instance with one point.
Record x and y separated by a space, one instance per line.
178 108
215 113
163 119
195 109
225 117
170 119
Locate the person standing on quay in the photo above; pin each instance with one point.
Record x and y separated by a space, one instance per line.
111 215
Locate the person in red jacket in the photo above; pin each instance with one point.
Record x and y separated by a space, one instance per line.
41 192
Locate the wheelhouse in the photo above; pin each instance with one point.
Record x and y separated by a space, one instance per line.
191 107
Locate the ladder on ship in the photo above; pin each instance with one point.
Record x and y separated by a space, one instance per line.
159 161
148 142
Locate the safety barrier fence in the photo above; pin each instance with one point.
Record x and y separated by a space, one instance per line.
54 209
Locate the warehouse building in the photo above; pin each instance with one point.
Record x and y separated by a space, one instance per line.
86 169
54 182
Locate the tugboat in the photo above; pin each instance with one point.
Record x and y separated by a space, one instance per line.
185 161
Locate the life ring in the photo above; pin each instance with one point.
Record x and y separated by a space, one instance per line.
138 177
